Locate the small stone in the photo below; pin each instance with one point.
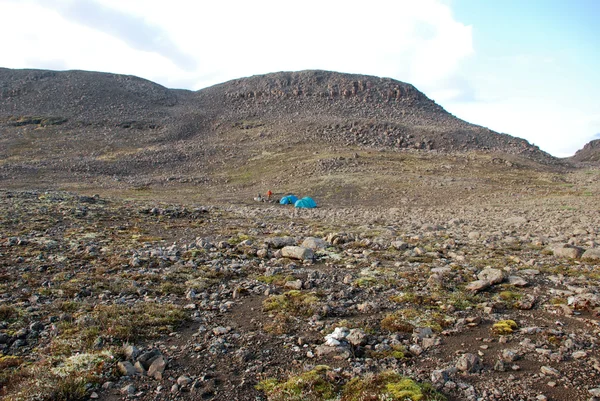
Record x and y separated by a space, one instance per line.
174 388
592 254
126 368
579 354
549 371
357 337
492 276
128 390
294 284
183 380
131 351
157 368
297 252
314 243
567 251
517 281
468 363
478 285
509 355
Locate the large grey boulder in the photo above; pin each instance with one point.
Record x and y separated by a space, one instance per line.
297 252
567 251
493 276
591 254
314 243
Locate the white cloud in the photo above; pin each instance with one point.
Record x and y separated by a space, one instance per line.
417 42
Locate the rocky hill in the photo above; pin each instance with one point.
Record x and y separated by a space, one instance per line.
590 153
82 127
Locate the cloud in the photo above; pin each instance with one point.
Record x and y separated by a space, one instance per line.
134 30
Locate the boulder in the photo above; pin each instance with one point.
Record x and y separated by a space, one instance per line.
567 251
297 252
280 242
492 276
468 363
314 243
591 254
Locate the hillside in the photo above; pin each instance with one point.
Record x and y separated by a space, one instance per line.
590 153
285 130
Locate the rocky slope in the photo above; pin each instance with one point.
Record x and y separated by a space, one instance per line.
80 127
590 153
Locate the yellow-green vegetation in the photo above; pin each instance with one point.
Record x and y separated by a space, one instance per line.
504 327
313 385
294 302
395 322
509 296
389 386
277 279
396 352
322 383
363 282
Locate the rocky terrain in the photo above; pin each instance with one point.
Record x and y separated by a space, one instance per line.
444 262
107 298
590 153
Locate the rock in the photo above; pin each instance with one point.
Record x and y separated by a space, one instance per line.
430 342
220 330
262 253
126 368
422 332
469 363
493 276
339 333
183 380
517 281
157 368
314 243
508 355
94 395
478 285
474 235
399 245
526 303
595 392
516 221
591 254
131 351
139 368
36 326
174 388
294 284
128 390
567 251
147 358
368 307
549 371
584 301
357 337
280 242
297 252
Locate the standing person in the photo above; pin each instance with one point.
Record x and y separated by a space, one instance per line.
269 194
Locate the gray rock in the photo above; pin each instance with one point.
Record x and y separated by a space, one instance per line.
399 245
147 358
526 303
183 380
567 251
280 242
591 254
508 355
297 252
128 390
315 243
357 337
157 368
125 368
549 371
517 281
478 285
294 284
493 276
131 351
468 363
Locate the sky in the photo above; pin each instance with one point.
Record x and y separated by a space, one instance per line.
528 68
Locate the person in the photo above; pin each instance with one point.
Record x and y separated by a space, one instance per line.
258 198
269 194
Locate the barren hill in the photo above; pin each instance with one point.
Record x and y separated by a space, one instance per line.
287 130
590 153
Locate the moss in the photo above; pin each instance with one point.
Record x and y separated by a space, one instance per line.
395 322
293 302
364 282
314 385
8 312
510 296
389 386
504 327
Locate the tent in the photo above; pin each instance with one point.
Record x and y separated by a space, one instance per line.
288 200
306 202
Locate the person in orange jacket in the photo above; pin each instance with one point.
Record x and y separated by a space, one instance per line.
269 194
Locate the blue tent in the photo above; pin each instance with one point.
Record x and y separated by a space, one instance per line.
306 202
288 200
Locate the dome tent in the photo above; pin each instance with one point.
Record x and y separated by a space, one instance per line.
305 202
288 200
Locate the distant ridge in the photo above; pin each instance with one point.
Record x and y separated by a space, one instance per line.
590 153
80 125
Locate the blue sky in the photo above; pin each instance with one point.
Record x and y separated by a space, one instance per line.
528 68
